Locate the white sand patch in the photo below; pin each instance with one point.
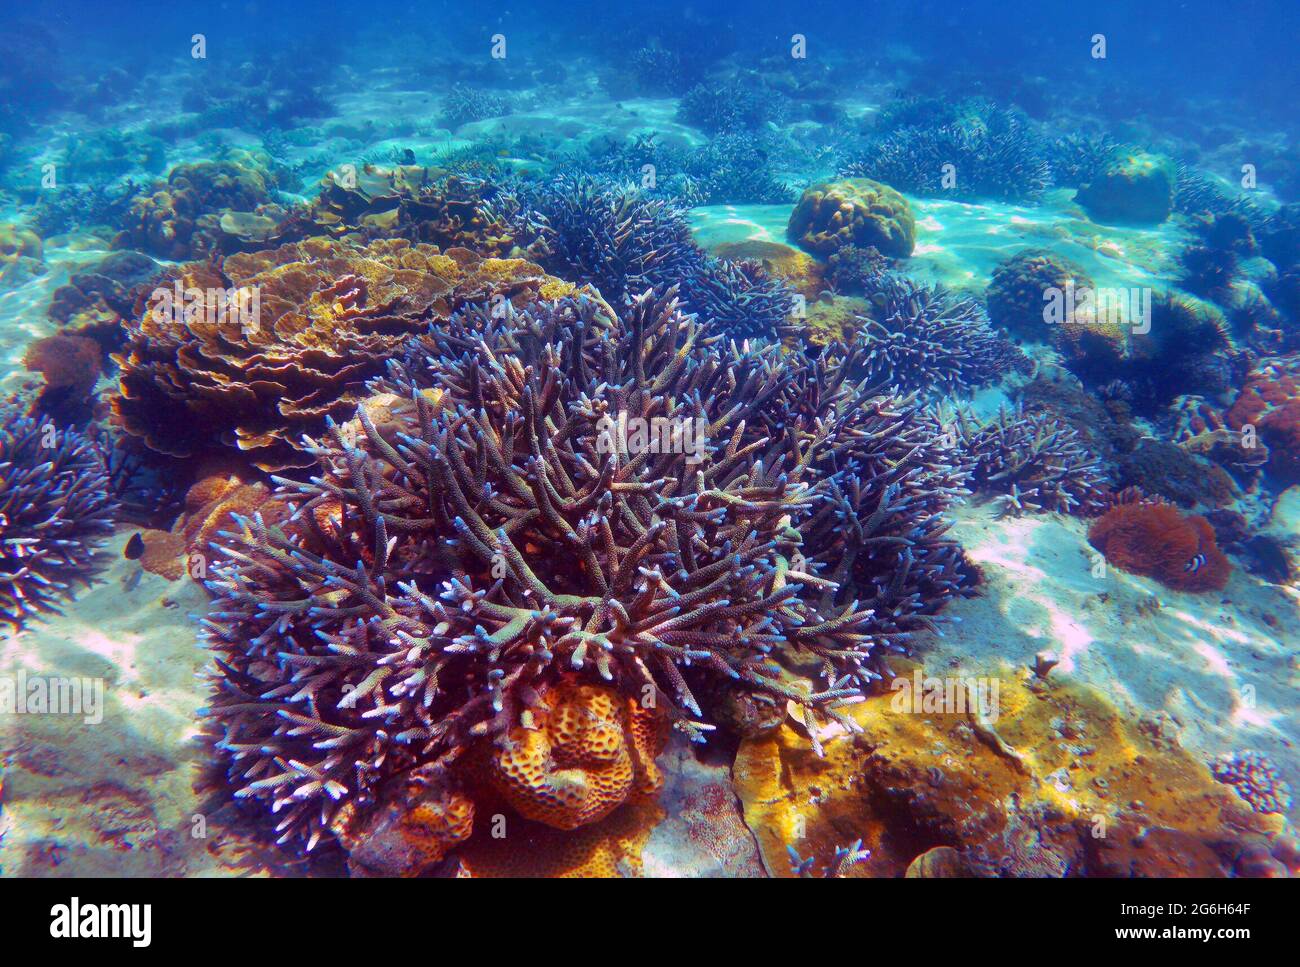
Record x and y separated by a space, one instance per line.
1211 664
116 798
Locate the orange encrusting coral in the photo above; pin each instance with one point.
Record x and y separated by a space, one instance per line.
1157 541
1056 781
1269 405
208 510
590 749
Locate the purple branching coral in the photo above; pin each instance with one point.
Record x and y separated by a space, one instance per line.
1031 461
926 339
55 512
613 237
503 528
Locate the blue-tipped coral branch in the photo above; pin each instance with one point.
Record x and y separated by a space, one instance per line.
55 512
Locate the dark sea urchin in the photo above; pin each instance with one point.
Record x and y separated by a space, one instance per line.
55 511
500 527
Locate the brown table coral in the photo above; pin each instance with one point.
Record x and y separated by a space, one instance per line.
321 319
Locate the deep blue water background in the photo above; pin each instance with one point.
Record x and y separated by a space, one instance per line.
1192 50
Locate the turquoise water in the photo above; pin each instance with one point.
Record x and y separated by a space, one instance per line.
322 331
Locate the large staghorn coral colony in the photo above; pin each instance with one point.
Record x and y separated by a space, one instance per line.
492 539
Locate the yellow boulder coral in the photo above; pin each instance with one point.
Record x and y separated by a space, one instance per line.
1056 781
854 211
588 751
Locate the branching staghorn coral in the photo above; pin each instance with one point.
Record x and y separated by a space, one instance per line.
926 339
591 231
450 562
1032 461
55 511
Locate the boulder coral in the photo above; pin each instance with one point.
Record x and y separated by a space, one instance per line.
169 222
853 211
326 319
1157 541
585 750
1017 294
1135 187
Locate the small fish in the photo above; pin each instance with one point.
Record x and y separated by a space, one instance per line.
134 547
1195 564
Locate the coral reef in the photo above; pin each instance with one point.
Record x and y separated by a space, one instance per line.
987 153
1157 541
733 106
70 366
447 566
1135 187
55 512
1173 471
1030 461
927 339
180 220
853 211
1021 287
625 244
21 253
463 104
1256 779
851 270
1268 409
327 318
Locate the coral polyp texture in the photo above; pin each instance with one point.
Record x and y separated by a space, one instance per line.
505 530
854 211
1158 541
1031 462
583 751
278 341
1256 780
55 513
1023 287
930 340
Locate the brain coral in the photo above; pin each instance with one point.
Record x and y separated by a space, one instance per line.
326 319
448 566
1157 541
55 511
586 750
853 211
